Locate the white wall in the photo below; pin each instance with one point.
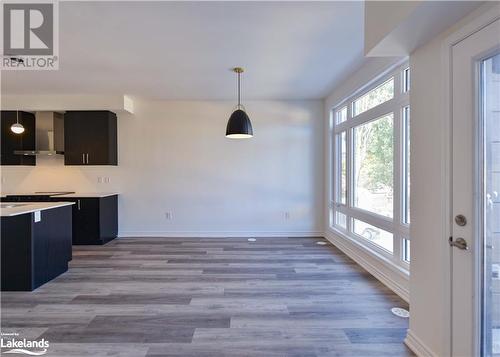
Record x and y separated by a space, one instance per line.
382 17
428 278
397 28
174 157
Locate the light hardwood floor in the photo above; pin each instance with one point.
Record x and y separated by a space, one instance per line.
210 297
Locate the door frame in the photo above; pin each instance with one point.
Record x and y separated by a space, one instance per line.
486 18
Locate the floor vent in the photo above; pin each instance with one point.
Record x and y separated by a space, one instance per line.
398 311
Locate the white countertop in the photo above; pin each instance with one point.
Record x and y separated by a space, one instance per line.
89 194
69 195
8 209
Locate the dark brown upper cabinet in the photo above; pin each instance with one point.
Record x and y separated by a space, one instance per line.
22 142
90 138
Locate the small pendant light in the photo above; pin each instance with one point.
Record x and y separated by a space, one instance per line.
239 125
17 128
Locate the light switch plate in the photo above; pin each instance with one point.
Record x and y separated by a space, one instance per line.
38 216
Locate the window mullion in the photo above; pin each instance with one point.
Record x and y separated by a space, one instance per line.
397 180
333 170
349 163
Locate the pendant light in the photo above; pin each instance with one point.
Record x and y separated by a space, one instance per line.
239 125
17 128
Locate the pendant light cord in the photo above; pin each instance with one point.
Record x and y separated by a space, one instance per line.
239 90
17 116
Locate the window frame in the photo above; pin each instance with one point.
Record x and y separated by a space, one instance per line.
394 225
405 168
337 144
406 79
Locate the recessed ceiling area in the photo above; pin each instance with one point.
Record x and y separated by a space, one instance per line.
185 50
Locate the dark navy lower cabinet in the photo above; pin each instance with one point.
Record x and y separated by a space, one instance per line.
34 253
95 219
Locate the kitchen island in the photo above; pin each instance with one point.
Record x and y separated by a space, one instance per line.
95 215
36 243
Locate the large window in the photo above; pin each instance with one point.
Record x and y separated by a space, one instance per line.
371 172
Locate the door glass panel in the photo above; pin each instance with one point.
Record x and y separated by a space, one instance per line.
491 208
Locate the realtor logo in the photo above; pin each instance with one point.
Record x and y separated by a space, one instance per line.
10 343
29 35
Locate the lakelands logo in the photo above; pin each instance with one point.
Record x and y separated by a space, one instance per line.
30 35
11 343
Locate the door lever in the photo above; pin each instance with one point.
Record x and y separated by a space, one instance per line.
459 243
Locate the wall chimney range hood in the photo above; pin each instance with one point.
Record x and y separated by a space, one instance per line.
49 136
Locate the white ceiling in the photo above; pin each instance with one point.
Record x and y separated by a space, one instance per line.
184 50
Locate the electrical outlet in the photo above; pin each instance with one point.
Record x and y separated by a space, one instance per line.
168 215
287 215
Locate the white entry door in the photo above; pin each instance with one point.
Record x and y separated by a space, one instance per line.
475 241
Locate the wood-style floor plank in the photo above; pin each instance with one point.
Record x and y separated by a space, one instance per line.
152 297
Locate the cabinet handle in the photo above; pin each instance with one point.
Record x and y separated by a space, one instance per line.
78 201
83 158
87 158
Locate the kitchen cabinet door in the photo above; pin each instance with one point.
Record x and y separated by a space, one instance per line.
74 148
95 137
86 221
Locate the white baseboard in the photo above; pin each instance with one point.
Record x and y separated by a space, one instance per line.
223 234
390 275
417 346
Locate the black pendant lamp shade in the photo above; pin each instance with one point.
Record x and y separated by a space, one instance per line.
239 125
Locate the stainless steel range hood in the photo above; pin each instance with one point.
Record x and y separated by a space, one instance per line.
49 135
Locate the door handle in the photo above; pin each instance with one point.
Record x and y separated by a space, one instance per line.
459 243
